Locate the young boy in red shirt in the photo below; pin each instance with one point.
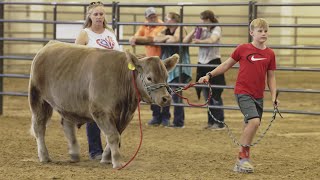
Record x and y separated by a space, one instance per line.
257 62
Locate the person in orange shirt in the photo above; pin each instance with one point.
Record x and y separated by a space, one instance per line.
145 34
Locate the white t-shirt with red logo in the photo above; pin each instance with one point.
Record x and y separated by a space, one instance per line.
105 40
254 64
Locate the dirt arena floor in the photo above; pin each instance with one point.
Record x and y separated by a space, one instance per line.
290 150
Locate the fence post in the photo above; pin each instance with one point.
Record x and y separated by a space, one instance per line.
117 20
54 24
252 14
295 42
1 54
181 49
114 19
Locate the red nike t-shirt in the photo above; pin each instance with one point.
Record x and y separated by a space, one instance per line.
254 64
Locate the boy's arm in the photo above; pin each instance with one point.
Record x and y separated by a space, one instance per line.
225 66
271 81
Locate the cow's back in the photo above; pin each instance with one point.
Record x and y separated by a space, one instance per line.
70 76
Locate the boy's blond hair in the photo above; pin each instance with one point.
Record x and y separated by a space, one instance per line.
259 23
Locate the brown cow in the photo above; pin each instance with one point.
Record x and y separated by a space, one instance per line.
87 84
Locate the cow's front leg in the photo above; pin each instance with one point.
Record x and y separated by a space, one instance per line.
106 156
69 131
108 127
113 140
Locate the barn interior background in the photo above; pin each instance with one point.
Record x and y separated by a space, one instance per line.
26 26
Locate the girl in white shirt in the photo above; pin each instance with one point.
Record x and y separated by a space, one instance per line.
96 33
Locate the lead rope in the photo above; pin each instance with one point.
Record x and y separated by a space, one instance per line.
141 135
187 87
231 135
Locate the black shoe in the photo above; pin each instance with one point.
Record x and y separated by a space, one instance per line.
154 122
176 127
216 127
209 126
96 157
165 122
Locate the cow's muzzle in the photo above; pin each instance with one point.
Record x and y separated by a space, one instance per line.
165 101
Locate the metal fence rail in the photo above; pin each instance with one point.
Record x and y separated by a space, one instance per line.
116 23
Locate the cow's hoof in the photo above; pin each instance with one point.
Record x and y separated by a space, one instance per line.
45 160
118 165
105 161
75 158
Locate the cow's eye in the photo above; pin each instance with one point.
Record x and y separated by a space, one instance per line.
149 79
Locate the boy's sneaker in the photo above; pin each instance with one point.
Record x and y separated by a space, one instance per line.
154 122
243 166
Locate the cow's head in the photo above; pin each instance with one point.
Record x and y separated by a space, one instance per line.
152 77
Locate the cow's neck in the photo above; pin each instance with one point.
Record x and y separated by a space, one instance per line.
129 101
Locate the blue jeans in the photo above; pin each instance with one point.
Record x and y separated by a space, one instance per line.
178 111
159 115
217 113
94 139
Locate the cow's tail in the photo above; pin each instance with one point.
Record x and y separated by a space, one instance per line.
40 109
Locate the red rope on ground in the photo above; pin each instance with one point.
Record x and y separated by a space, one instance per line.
138 94
140 124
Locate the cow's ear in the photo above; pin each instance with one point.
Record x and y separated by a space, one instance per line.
171 62
132 59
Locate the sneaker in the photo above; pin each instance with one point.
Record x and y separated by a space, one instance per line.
209 126
165 122
154 122
215 127
96 157
243 166
176 127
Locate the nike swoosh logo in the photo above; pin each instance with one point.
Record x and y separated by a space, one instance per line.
257 59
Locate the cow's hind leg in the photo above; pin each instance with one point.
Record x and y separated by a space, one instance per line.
41 112
109 128
69 131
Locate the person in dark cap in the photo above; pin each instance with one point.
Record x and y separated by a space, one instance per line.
144 35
